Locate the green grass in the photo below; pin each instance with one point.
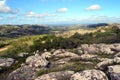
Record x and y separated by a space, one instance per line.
74 66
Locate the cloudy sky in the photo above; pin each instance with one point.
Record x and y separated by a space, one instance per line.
59 11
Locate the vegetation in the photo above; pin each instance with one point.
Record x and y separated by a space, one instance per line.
52 42
32 43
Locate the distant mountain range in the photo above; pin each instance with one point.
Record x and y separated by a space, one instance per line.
12 31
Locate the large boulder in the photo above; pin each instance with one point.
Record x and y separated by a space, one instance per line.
89 48
97 48
36 61
6 62
23 73
28 70
62 75
106 50
103 65
89 75
114 72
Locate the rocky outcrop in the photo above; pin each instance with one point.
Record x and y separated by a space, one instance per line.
23 73
103 65
6 62
98 48
28 70
62 75
89 48
114 72
36 61
86 58
89 75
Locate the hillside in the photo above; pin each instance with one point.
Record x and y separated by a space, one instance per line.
86 30
37 57
12 31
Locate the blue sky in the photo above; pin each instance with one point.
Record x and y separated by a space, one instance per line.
59 11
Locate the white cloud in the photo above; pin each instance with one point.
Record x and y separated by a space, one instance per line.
6 9
1 18
93 7
37 15
62 10
11 17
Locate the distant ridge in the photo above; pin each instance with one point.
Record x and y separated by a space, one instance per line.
97 25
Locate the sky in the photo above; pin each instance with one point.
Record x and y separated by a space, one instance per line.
59 11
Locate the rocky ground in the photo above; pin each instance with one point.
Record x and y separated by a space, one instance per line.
87 62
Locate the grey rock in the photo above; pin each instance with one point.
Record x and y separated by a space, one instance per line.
118 54
63 53
116 47
36 61
6 62
46 55
89 48
22 73
28 70
98 48
114 72
89 75
62 75
103 65
88 57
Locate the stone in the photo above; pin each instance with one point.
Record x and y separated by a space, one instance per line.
46 55
102 59
80 52
22 73
36 61
63 53
117 55
116 47
89 48
114 72
116 60
62 75
103 65
98 48
88 57
6 62
28 70
89 75
106 50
